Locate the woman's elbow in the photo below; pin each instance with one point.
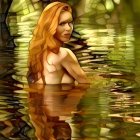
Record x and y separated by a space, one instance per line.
82 79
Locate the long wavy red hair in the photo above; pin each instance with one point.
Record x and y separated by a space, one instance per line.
43 39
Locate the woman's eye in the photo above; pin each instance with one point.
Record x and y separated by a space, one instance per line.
70 23
62 24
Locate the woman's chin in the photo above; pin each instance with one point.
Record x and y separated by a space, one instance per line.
66 40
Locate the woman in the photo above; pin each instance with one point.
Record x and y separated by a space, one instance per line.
49 62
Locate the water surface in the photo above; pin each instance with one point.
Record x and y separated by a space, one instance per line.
108 108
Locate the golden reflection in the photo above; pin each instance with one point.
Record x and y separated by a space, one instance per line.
127 117
109 5
117 1
51 107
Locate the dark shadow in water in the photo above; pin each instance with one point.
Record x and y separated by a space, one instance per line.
12 123
6 41
7 70
49 108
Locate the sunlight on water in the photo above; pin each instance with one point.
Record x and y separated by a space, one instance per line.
110 105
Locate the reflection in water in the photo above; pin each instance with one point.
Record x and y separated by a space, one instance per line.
68 112
50 108
13 122
6 65
107 110
107 117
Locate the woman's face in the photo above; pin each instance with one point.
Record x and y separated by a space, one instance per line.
65 27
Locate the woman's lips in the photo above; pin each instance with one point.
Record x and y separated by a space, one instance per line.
67 35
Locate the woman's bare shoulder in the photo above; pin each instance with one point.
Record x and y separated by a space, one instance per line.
69 54
63 52
57 58
66 50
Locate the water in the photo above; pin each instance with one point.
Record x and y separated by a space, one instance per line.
107 109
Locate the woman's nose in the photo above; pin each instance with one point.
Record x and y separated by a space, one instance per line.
68 26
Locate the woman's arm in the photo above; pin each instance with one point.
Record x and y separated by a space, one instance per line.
70 63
